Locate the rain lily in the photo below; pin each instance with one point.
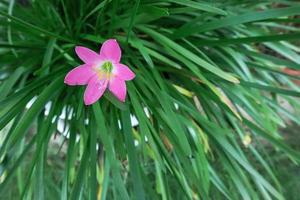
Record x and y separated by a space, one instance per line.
100 71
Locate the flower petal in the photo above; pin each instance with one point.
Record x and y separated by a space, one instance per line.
94 90
123 72
111 50
118 87
79 75
87 55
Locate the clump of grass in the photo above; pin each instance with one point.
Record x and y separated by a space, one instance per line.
205 98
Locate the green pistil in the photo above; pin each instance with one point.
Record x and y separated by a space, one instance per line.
107 67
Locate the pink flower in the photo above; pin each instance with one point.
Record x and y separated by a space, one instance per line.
100 71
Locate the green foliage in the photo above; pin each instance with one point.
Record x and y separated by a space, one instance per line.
206 97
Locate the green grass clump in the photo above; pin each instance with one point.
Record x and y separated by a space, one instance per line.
206 99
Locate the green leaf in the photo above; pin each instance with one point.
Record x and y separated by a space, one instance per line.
93 164
246 40
199 6
82 171
252 16
106 140
190 55
36 108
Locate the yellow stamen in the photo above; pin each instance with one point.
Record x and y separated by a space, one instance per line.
104 71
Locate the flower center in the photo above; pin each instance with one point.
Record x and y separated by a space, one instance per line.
107 67
105 70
